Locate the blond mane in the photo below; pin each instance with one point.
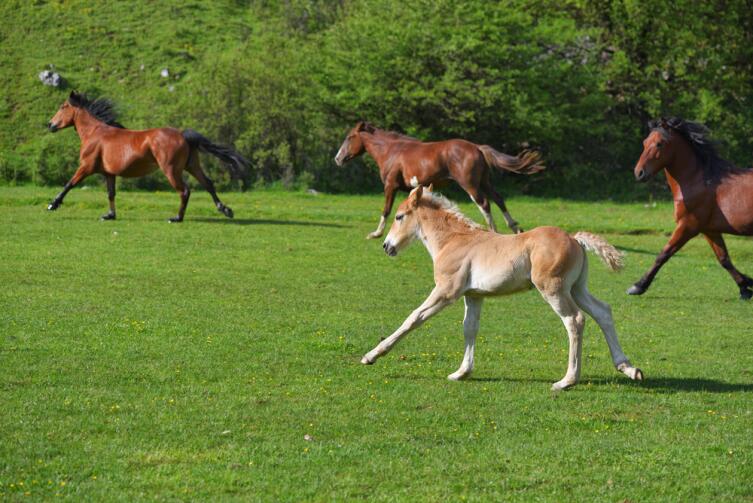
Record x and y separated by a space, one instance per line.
440 202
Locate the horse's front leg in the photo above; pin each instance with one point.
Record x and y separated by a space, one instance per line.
110 179
389 199
470 329
82 172
437 300
680 236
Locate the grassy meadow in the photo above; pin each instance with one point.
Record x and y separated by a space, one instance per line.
219 360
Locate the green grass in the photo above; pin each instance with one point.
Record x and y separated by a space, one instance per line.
146 361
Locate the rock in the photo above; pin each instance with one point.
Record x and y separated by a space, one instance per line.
50 78
313 192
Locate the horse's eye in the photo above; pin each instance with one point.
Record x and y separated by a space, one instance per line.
399 217
659 145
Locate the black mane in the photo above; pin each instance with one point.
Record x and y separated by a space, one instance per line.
102 109
697 134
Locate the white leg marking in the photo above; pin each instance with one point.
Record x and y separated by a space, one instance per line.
414 182
487 216
511 223
470 329
380 229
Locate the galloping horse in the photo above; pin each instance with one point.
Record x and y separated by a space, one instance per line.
711 196
405 162
111 150
472 263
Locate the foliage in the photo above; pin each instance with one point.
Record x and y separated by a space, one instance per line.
284 81
143 360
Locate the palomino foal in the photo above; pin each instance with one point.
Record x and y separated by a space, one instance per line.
474 263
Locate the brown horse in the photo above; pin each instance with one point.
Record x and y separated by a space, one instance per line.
405 163
712 197
111 150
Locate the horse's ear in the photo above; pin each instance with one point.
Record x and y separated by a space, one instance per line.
416 195
430 188
74 98
360 126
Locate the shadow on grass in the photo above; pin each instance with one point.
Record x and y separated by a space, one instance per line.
637 250
263 221
657 384
678 384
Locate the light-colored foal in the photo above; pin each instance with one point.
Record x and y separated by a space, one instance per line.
474 263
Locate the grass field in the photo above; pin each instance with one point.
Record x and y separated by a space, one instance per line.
219 360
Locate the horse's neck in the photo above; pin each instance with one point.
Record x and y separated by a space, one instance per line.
685 176
438 227
378 147
85 124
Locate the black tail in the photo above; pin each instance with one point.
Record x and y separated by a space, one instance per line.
234 161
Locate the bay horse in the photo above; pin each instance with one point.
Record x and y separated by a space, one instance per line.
711 196
405 162
473 263
109 149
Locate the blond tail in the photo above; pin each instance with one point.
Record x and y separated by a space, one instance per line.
525 163
608 254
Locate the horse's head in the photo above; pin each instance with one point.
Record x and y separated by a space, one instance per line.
658 152
405 228
353 144
65 114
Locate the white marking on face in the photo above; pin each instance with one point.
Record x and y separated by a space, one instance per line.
414 182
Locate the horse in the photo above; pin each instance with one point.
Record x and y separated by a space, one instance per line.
711 196
406 162
112 150
474 263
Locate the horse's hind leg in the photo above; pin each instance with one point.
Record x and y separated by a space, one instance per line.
720 250
110 180
470 329
602 313
499 201
195 169
574 321
176 180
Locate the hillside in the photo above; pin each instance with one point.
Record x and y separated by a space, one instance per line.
283 81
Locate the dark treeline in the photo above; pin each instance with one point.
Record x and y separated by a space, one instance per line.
577 80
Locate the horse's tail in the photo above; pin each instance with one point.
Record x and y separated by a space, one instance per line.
228 155
611 256
525 163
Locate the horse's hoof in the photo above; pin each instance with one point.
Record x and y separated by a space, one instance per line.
175 220
638 375
108 216
745 294
366 361
53 206
228 212
458 376
635 290
373 235
563 385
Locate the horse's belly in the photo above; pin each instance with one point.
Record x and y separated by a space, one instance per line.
499 281
139 169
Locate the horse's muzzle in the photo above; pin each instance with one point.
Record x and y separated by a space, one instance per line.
389 249
52 127
641 176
